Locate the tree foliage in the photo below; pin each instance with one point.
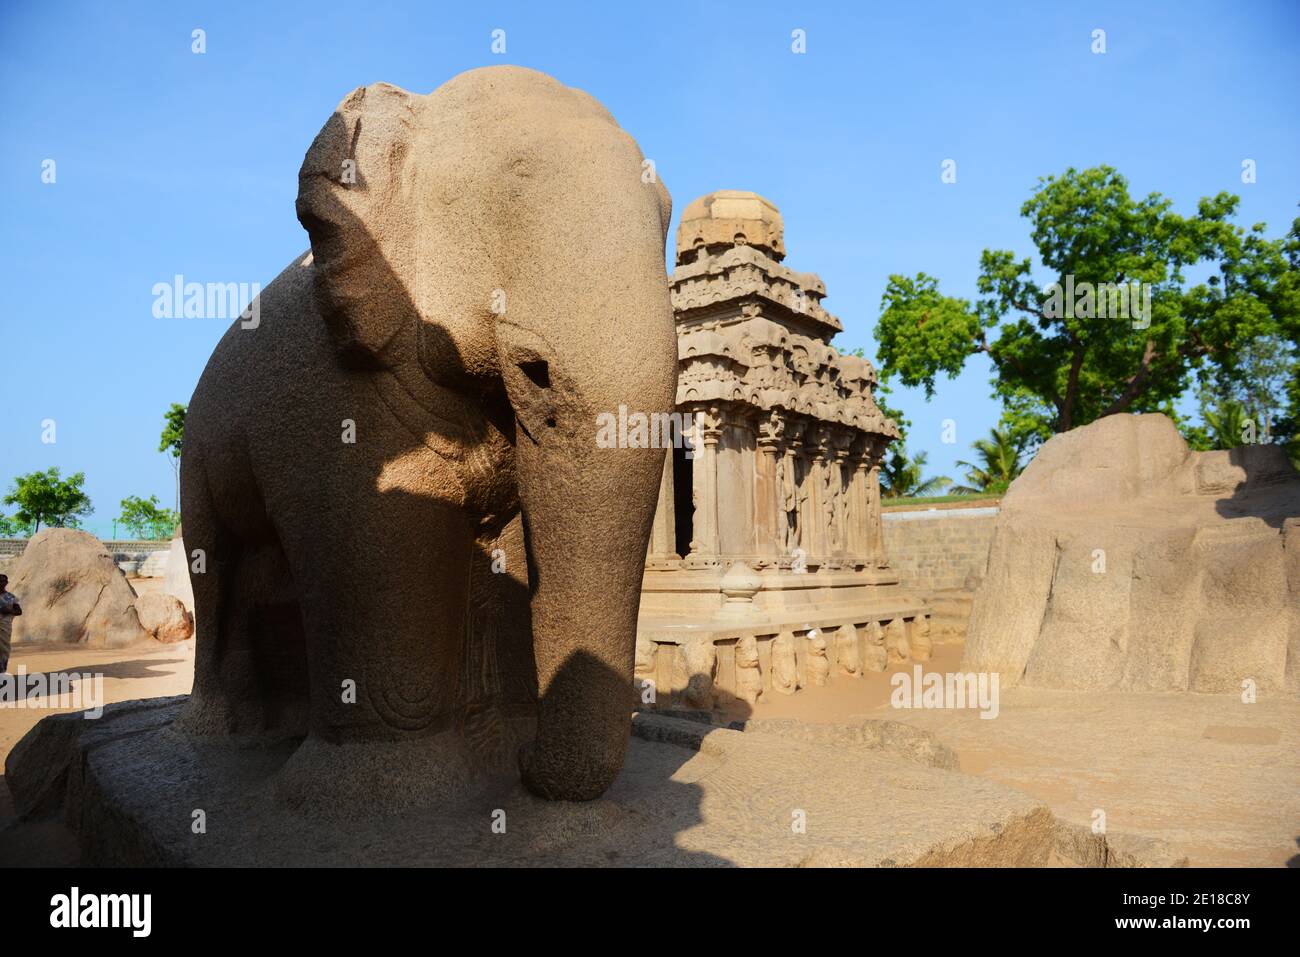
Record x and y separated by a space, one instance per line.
12 528
49 498
173 435
145 518
902 476
1000 458
1058 368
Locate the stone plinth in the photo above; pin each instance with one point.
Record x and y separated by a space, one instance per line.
129 784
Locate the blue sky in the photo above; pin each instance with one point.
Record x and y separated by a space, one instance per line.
170 162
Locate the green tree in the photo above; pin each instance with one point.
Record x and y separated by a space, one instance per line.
47 497
173 434
12 528
146 519
901 475
1226 424
1060 361
1000 462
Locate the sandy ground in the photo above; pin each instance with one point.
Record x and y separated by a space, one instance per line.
144 671
1218 779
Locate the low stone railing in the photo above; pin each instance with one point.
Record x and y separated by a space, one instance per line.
705 668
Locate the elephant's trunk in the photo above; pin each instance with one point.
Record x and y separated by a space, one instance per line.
590 334
587 523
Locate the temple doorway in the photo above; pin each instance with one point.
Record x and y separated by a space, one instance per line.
683 501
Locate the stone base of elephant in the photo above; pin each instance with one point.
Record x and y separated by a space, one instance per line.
336 783
135 793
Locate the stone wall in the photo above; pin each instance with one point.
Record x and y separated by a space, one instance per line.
937 549
143 559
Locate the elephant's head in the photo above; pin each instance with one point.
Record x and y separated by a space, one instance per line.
497 238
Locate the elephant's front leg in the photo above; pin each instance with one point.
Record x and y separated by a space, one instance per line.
384 599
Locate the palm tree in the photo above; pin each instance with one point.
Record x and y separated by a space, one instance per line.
900 476
1000 456
1228 424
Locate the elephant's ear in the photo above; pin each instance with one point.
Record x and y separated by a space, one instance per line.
354 192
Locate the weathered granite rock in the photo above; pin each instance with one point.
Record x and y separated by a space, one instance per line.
176 580
875 734
1121 560
486 278
1080 845
72 591
688 795
164 617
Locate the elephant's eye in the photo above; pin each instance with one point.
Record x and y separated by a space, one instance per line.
537 372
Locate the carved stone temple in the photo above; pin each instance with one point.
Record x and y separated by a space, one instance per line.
766 570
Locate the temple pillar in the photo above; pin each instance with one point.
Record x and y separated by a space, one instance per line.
860 510
807 479
768 524
794 494
876 527
840 488
820 497
734 470
663 533
704 541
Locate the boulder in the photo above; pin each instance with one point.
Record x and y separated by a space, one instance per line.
164 617
72 591
176 581
1122 560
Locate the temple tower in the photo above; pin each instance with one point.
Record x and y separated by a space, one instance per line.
769 522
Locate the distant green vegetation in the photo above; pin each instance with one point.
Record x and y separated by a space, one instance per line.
999 458
926 500
46 498
1059 364
901 475
173 435
147 519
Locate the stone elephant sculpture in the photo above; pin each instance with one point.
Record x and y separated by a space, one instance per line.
413 555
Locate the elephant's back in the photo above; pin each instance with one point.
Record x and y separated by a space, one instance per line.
253 392
258 361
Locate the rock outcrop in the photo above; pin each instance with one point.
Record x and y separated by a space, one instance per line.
72 591
176 581
1122 560
164 617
